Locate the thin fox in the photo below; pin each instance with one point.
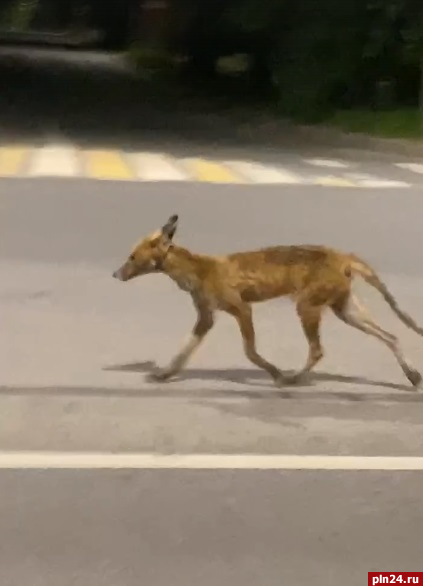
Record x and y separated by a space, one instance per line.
314 277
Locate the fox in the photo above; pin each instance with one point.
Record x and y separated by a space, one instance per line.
314 277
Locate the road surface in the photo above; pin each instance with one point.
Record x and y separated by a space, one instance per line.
178 528
221 478
75 348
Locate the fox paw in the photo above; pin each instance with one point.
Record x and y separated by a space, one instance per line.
414 377
159 375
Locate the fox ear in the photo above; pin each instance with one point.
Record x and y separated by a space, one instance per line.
170 227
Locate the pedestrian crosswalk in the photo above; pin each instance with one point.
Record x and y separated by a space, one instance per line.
71 161
12 160
258 173
414 167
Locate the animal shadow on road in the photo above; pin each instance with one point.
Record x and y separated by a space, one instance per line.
256 378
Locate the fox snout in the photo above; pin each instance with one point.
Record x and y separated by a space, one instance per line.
121 274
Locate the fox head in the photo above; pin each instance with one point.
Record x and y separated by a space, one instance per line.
149 254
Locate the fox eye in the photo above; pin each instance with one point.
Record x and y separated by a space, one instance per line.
132 257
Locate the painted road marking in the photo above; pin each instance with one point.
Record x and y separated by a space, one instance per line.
210 171
157 167
57 159
415 167
327 163
332 181
366 180
102 460
12 160
258 173
376 183
106 164
53 161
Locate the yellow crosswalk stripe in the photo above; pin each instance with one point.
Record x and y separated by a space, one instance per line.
12 160
211 172
106 164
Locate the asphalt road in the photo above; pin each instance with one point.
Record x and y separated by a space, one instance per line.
244 528
76 345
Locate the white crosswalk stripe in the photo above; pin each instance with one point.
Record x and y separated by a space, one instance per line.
414 167
331 163
258 173
157 167
58 161
333 181
385 183
366 180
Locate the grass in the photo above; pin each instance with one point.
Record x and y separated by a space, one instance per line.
405 123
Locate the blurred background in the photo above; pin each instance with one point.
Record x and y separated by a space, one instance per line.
305 60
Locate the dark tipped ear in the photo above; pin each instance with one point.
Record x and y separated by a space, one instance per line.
170 227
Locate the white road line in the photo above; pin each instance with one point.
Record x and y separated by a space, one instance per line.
331 163
333 181
258 173
366 180
157 167
376 183
57 161
86 460
415 167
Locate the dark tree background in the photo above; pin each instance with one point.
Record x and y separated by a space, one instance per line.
310 56
317 55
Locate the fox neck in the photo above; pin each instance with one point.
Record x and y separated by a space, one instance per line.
182 266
